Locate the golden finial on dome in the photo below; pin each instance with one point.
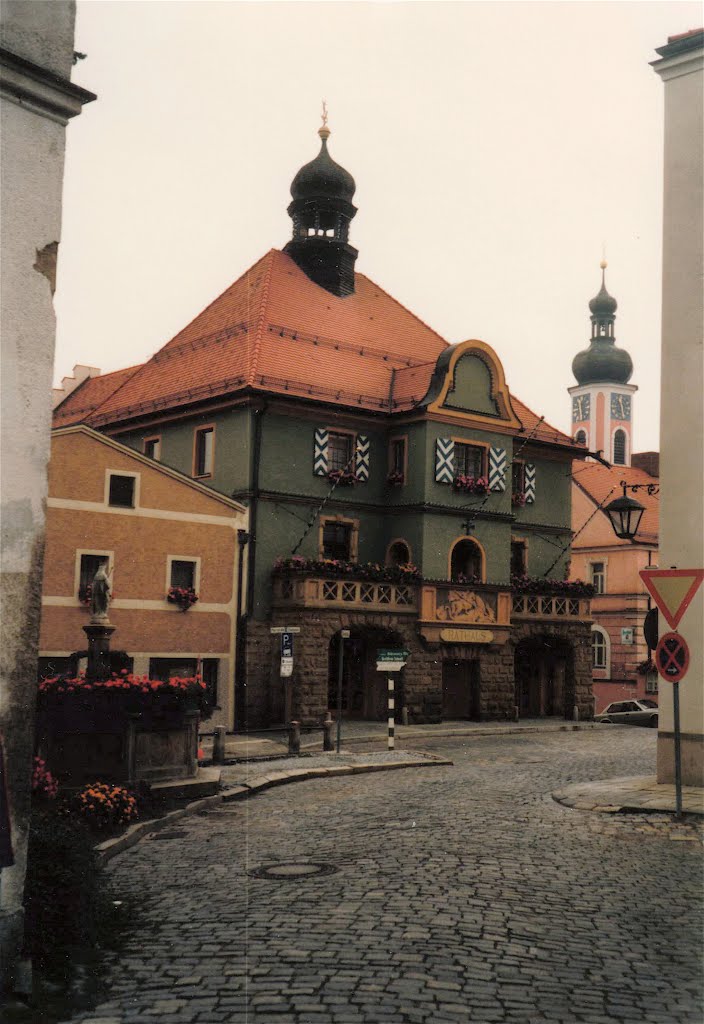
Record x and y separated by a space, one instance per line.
603 264
324 131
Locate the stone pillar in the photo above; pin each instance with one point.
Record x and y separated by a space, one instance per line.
37 99
98 633
681 67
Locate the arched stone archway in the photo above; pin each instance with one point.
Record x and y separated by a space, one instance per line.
364 689
544 669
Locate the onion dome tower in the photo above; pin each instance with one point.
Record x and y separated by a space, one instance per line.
321 211
601 401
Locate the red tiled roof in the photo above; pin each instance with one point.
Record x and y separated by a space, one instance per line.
277 331
602 484
85 399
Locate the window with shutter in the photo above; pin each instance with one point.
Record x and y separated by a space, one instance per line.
444 460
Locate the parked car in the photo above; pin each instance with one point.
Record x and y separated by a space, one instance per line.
630 712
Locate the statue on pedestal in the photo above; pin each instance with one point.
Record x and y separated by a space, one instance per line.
100 593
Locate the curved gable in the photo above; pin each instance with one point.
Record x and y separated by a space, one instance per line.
469 381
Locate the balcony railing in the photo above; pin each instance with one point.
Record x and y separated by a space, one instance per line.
550 606
323 592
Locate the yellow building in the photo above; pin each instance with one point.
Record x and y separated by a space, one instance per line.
164 537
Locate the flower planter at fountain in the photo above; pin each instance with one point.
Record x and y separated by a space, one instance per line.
124 729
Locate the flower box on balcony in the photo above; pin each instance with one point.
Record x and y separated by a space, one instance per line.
471 484
557 588
342 478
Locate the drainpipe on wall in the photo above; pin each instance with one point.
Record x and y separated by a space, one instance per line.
254 458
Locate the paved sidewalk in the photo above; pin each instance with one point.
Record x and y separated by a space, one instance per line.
240 746
633 793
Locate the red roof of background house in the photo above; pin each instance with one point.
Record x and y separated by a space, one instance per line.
602 484
81 403
277 331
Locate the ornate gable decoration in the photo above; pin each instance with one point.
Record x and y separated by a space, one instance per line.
469 382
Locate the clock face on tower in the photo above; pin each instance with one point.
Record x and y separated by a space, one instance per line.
620 407
580 408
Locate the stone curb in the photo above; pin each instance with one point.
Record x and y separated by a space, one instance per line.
583 803
112 847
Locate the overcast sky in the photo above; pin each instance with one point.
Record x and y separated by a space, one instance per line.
496 147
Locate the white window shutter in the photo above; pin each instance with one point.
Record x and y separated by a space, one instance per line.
362 458
444 460
497 469
530 482
320 452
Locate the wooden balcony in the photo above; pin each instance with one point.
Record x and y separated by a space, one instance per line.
294 591
556 607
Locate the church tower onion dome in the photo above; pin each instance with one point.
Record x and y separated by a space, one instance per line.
323 177
321 211
602 362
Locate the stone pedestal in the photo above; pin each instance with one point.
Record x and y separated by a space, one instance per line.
99 630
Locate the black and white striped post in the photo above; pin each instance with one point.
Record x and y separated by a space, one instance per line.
390 661
392 712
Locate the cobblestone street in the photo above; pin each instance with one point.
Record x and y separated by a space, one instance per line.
453 894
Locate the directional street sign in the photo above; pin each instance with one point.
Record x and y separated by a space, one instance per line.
284 629
672 590
672 657
392 654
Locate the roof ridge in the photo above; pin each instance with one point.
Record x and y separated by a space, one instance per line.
406 310
545 423
263 309
127 379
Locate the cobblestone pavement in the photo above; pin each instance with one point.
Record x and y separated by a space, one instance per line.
460 893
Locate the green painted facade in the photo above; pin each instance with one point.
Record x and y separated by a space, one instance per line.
429 516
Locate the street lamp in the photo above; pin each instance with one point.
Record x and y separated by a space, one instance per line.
625 513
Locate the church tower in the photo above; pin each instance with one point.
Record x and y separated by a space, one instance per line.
602 407
321 212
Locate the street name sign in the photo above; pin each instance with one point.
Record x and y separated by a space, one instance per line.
672 590
284 629
672 657
390 659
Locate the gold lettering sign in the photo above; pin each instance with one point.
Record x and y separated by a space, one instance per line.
466 636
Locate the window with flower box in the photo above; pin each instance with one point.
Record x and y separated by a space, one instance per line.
469 460
340 448
183 573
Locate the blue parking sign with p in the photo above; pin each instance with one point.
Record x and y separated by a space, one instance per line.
287 645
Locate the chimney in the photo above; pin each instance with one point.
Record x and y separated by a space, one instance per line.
649 462
69 384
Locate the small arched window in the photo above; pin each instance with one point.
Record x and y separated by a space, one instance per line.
581 437
399 553
466 561
620 448
600 648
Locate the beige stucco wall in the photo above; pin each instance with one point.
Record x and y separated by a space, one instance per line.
682 403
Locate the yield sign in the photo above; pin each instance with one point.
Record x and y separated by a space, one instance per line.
672 590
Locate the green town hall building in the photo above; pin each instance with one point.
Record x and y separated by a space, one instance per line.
395 488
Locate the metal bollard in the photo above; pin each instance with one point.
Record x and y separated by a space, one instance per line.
575 713
404 715
294 738
219 744
515 712
328 725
